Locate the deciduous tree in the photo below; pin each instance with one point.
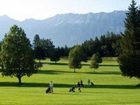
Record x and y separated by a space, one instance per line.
17 55
75 58
94 61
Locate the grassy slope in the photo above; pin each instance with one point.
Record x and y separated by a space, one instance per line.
110 87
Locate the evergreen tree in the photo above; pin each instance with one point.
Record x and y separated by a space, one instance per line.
129 58
17 55
107 45
99 58
39 52
36 41
47 46
55 55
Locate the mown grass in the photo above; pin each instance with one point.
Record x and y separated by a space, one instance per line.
110 87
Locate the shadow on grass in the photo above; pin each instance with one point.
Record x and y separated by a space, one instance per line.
117 86
102 65
55 72
106 72
14 84
52 63
48 72
109 65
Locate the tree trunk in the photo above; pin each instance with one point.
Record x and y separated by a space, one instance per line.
39 64
19 80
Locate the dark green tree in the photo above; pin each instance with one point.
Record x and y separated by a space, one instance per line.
63 51
17 55
129 58
99 58
75 58
39 52
107 45
55 55
47 46
36 41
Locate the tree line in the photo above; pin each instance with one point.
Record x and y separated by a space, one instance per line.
44 48
106 45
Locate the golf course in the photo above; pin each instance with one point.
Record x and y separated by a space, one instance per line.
111 88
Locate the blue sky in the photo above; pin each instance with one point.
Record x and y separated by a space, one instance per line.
41 9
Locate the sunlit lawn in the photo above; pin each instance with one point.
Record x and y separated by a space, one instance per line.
110 87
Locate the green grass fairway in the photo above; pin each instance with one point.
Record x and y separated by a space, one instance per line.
110 87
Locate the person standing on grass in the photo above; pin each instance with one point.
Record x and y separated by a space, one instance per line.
79 86
81 82
51 87
89 82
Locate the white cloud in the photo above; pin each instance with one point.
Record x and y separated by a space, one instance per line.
21 9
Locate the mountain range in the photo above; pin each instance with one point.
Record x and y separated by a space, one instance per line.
68 29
